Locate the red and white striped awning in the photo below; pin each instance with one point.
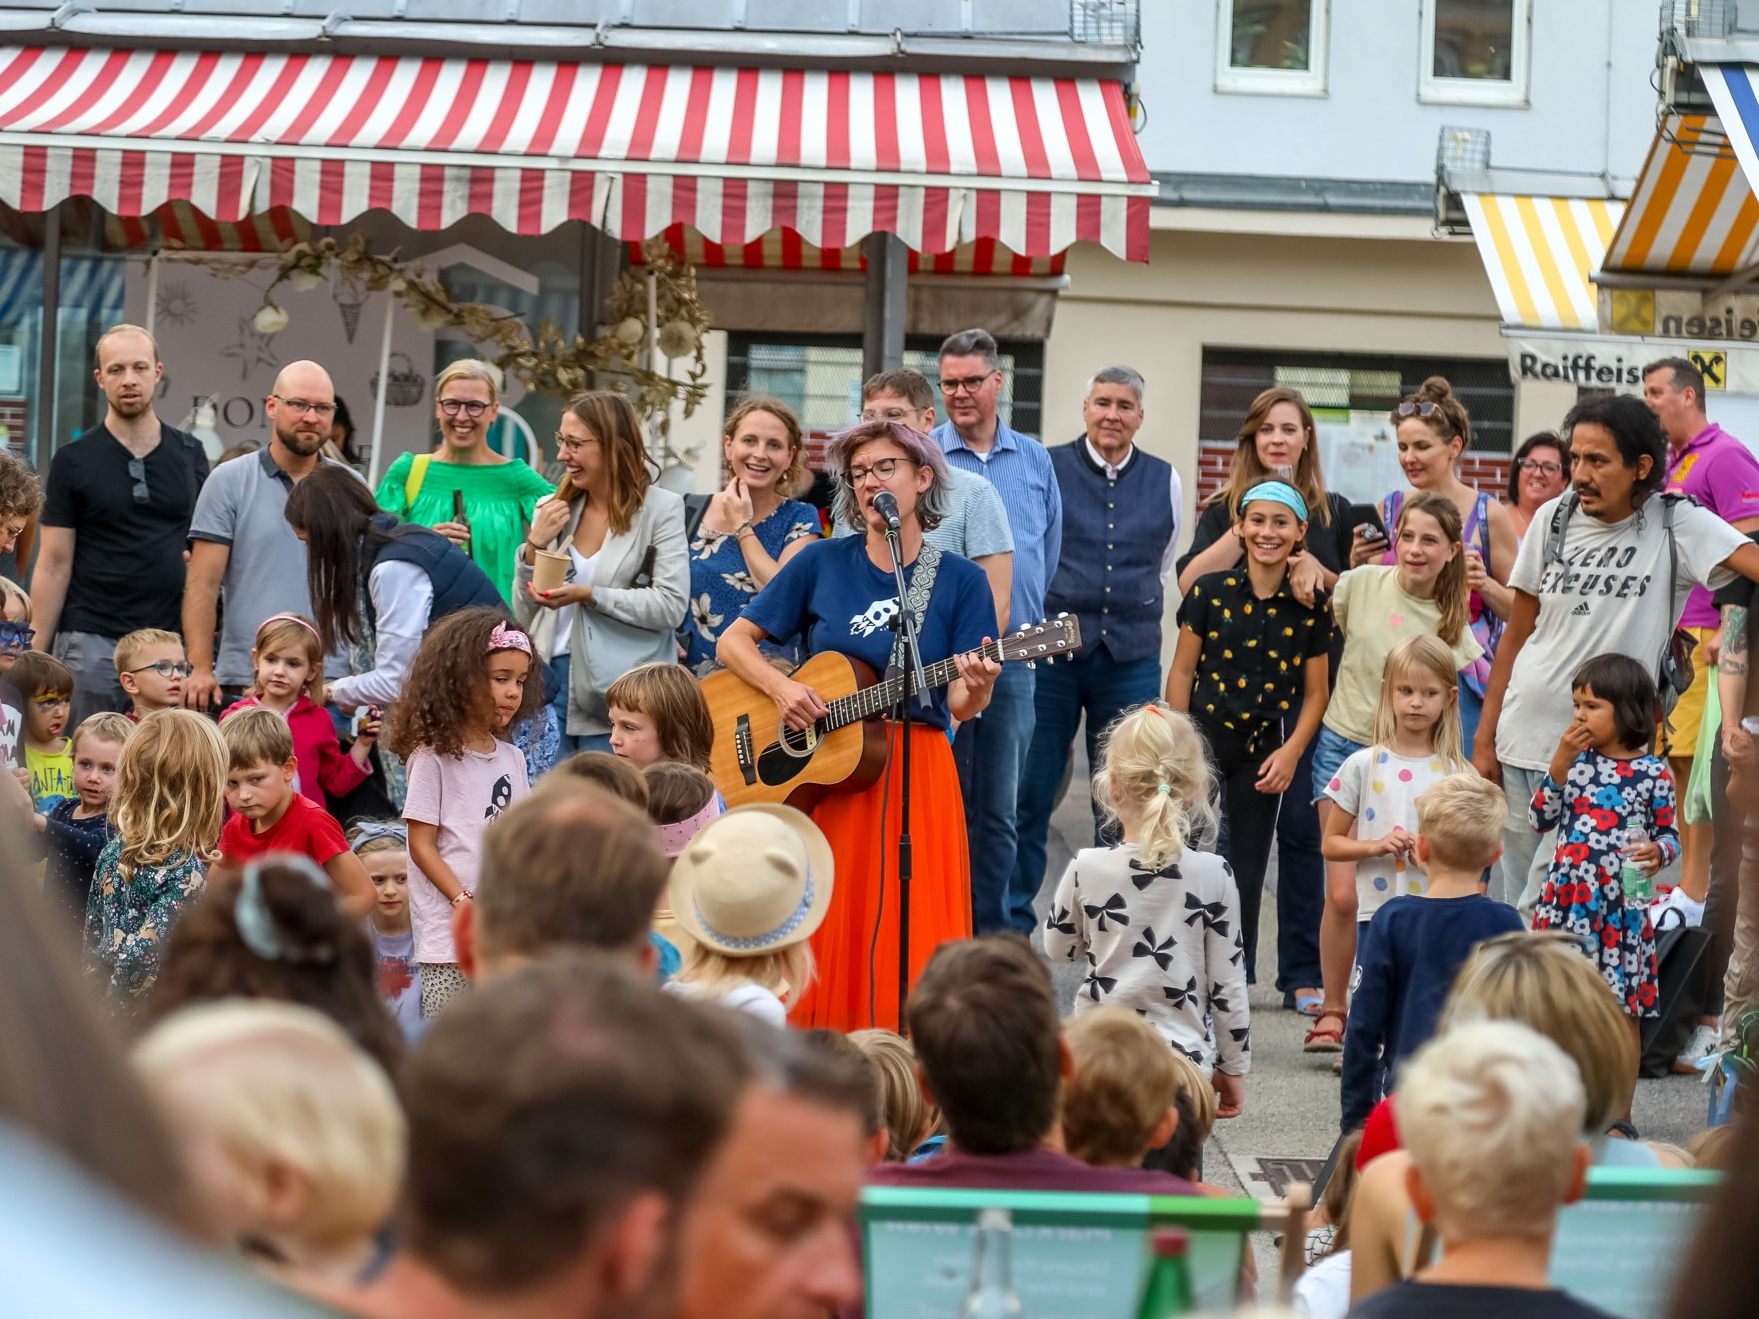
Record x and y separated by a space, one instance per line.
781 249
1034 163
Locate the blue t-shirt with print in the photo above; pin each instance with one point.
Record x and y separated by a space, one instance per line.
831 595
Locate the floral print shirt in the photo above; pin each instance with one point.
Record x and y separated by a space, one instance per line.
720 584
129 916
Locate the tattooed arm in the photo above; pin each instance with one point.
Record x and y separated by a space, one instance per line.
1731 680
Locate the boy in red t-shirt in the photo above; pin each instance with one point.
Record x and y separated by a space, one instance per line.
269 816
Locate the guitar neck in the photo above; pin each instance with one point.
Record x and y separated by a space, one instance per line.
883 696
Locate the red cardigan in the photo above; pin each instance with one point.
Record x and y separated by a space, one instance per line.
323 767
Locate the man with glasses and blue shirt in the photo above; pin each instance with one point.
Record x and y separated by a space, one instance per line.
115 525
990 750
243 546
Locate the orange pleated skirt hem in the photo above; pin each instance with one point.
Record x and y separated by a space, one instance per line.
856 948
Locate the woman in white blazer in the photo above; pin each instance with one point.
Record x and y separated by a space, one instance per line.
628 576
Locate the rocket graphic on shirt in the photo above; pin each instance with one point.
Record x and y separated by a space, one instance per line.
877 615
500 798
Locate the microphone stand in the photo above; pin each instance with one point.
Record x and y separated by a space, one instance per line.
914 680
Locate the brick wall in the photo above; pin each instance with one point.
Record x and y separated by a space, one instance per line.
1486 471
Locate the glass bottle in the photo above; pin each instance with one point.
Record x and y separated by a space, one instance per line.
992 1294
1169 1277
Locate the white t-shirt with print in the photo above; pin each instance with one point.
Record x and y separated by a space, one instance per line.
1375 614
1608 596
1380 788
460 796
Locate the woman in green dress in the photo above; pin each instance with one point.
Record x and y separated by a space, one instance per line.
499 493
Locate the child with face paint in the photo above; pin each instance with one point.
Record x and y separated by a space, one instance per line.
1250 652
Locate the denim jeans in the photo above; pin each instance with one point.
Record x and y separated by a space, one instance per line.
556 680
989 752
1526 853
1092 684
1300 878
91 659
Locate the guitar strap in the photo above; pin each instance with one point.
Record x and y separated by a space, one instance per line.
928 563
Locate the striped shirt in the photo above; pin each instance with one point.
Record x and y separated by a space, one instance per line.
1020 469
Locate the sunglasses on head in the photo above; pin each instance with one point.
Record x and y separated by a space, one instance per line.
1409 409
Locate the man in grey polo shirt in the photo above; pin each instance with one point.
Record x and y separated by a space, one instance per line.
243 545
976 524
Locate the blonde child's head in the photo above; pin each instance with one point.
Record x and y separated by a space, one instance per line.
473 676
293 1135
383 848
1430 526
1154 779
1491 1114
749 890
138 658
909 1116
1543 981
1460 822
681 800
1197 1106
170 789
255 736
97 751
1420 682
287 659
1119 1104
658 713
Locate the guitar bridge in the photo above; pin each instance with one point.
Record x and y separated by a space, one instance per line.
742 749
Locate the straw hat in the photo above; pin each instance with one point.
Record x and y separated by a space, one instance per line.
755 880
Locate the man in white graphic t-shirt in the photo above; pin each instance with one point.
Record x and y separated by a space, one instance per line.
1599 586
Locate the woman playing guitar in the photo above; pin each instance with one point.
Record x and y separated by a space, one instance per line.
840 595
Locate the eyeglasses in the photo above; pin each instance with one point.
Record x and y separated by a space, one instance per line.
885 469
890 414
1417 409
571 444
1544 469
137 472
970 384
471 407
168 668
301 406
16 636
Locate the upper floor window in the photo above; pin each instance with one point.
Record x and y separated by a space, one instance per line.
1475 52
1275 46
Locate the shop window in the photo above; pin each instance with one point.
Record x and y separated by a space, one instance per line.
1271 46
1475 52
820 377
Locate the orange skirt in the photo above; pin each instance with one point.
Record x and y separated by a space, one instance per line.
857 981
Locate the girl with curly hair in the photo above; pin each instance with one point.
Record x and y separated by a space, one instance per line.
467 686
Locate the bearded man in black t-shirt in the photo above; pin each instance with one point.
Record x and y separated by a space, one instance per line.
115 525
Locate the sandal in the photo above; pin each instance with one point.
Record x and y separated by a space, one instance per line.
1324 1038
1308 1002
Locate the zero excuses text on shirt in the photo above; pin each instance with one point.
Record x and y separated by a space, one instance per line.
1589 571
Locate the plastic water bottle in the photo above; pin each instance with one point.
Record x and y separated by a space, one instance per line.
1638 883
1169 1277
992 1294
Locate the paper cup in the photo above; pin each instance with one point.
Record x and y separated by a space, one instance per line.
549 571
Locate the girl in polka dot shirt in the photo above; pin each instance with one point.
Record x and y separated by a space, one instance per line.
1373 823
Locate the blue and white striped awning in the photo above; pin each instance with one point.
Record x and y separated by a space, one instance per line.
91 286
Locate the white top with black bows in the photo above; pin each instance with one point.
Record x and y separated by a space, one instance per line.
1165 942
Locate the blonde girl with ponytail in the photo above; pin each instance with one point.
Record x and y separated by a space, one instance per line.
1156 919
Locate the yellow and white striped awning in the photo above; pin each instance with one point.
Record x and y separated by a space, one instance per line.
1693 211
1541 254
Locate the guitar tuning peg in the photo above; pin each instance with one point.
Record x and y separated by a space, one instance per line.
1032 664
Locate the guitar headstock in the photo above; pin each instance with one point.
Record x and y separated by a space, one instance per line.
1044 640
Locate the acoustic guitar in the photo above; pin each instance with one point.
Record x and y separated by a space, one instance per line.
757 758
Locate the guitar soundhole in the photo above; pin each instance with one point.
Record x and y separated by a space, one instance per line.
799 742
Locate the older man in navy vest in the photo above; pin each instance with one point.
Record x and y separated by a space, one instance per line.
1121 524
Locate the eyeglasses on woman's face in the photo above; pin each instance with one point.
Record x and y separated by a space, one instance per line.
1542 468
884 469
573 443
470 407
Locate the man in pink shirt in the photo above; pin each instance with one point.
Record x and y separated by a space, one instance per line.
1721 473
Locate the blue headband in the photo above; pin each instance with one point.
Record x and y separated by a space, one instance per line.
1277 492
256 923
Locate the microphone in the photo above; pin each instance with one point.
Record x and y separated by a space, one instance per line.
885 503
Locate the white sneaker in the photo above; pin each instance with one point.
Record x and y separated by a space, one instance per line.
1702 1044
1690 913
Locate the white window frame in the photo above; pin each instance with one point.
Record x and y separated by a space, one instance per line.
1476 91
1310 81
